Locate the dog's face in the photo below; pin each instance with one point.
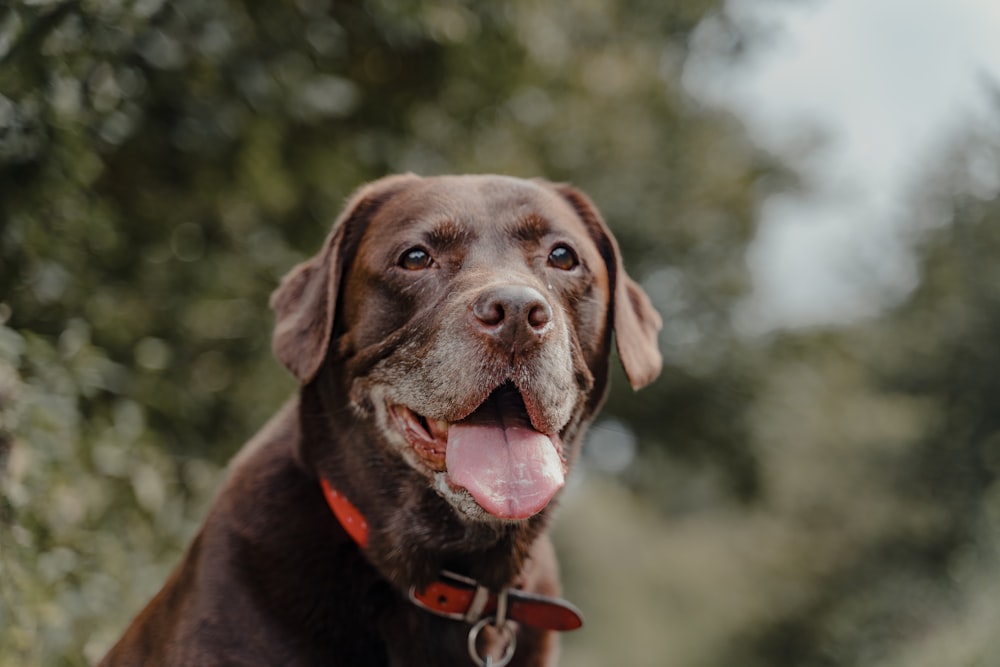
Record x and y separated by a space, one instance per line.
466 323
494 298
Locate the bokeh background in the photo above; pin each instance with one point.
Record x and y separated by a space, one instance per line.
812 491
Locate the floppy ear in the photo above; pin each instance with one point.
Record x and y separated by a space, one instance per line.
306 301
636 322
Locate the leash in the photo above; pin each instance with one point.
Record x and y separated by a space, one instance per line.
460 598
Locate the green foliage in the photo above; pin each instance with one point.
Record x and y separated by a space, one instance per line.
67 474
163 164
880 443
822 498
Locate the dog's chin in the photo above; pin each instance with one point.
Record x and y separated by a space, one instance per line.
491 465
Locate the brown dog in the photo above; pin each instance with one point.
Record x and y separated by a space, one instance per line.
452 342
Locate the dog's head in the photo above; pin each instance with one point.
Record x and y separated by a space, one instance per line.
457 332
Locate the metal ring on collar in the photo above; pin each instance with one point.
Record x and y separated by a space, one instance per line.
504 629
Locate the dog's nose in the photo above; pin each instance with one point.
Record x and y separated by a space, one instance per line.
512 313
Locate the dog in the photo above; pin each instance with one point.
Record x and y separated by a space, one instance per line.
452 342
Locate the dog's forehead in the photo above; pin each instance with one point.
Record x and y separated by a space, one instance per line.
475 202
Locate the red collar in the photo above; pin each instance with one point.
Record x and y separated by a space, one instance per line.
347 514
460 598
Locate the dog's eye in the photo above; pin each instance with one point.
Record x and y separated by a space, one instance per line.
562 257
415 259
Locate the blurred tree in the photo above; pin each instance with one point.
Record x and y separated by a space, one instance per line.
163 164
900 495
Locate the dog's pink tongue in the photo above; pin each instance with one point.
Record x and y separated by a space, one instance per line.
512 470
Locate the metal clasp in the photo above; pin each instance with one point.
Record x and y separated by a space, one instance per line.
477 606
506 630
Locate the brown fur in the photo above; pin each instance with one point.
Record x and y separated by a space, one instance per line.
272 578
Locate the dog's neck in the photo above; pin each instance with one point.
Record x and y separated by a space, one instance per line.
460 598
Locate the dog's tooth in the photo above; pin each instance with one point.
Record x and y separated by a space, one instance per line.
438 428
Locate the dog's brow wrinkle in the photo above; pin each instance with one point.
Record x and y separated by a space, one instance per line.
531 228
447 234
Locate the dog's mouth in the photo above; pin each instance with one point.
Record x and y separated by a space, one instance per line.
495 454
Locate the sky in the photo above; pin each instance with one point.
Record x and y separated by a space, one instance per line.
859 96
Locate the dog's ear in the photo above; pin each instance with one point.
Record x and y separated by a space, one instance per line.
636 322
306 301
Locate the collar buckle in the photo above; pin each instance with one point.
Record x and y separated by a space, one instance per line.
449 597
